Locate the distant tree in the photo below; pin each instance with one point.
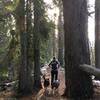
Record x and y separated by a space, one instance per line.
8 42
11 54
60 34
60 39
54 37
78 83
58 4
41 35
92 53
46 41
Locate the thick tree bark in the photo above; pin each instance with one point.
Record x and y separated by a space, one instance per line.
78 83
20 24
97 33
29 45
36 43
25 79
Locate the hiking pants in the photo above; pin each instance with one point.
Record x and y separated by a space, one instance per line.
54 76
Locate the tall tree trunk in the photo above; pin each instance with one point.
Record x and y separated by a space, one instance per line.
54 44
11 52
54 38
78 83
97 33
29 45
36 43
60 38
25 79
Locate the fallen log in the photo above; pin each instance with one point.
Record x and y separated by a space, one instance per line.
91 70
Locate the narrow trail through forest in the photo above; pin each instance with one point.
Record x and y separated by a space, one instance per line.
56 95
9 95
40 95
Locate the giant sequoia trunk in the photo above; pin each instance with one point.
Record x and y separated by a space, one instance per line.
78 83
36 42
97 33
25 79
29 46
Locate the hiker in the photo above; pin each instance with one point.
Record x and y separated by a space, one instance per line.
54 65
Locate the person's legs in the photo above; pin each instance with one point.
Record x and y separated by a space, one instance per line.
56 75
52 76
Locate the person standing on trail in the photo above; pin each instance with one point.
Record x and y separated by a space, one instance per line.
54 65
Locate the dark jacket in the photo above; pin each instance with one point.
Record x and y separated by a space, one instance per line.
54 64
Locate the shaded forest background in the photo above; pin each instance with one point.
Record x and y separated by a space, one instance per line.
29 39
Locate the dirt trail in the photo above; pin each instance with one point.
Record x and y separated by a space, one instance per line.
8 95
57 95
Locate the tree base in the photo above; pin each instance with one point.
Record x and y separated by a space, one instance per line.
37 86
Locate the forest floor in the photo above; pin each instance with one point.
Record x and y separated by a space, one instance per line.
10 95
